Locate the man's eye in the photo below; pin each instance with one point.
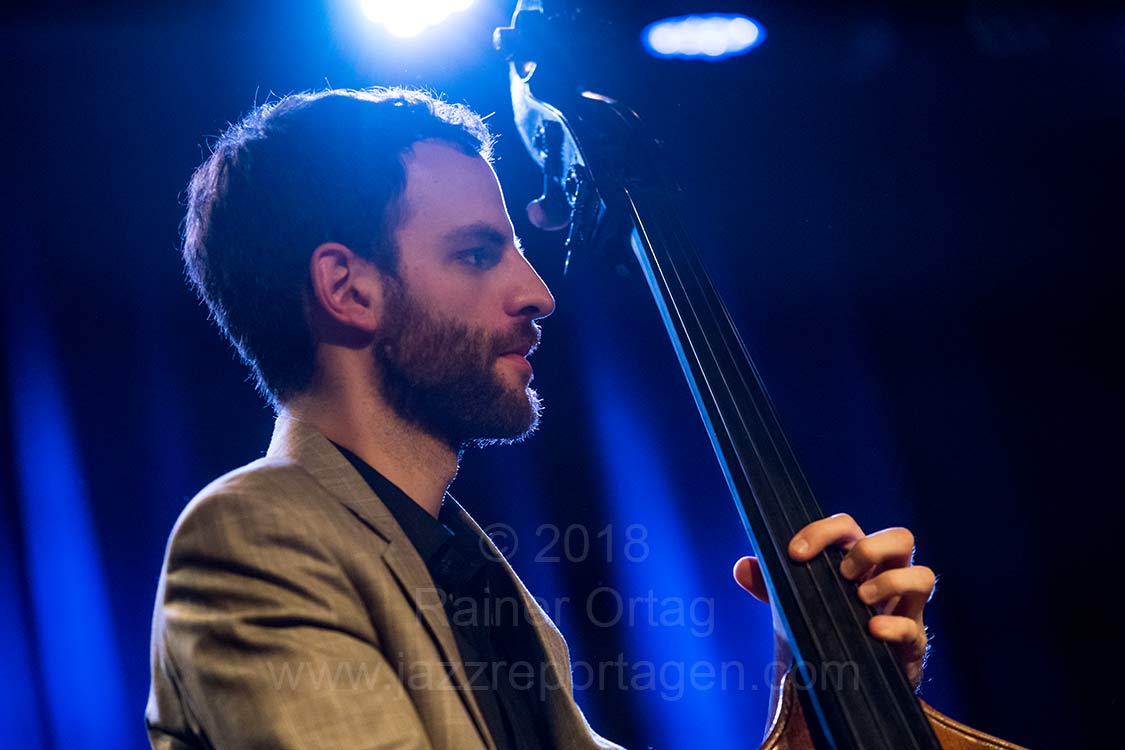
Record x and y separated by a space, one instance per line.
480 257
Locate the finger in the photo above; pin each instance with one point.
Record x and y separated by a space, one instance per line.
898 630
908 639
748 574
889 548
810 541
912 587
906 635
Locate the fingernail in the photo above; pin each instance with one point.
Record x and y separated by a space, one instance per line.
848 568
868 592
800 546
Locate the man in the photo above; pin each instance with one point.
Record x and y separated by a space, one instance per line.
356 249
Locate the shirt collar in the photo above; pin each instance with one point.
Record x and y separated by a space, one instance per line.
450 550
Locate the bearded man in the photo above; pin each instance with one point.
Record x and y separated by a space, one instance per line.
355 248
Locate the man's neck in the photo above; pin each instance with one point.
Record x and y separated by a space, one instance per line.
419 464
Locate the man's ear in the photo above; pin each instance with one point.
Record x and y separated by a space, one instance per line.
347 290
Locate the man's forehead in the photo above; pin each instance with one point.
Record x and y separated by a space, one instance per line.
431 164
452 193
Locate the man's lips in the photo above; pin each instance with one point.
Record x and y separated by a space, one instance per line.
518 358
519 348
520 362
524 350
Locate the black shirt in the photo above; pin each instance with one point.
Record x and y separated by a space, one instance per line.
503 659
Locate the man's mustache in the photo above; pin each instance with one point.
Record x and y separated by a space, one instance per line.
523 340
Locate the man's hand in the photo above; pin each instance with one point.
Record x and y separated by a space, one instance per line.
891 583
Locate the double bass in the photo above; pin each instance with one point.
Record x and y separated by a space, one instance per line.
603 184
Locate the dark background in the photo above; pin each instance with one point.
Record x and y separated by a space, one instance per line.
913 214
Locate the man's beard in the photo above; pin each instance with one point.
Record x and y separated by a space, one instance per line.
441 375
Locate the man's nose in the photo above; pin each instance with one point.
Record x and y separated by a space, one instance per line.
531 297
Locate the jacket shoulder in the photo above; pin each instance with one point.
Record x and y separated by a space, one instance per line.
269 488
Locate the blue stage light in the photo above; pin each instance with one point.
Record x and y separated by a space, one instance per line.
406 19
713 36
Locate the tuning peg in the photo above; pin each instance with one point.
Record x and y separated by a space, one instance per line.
552 210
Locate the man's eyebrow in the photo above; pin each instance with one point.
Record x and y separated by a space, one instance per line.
483 233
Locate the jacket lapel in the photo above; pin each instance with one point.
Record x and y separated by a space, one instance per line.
300 442
568 725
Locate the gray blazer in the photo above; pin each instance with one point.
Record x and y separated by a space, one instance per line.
293 612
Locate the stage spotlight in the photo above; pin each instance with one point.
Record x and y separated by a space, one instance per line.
406 18
713 36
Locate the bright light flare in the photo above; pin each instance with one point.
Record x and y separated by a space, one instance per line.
412 17
707 37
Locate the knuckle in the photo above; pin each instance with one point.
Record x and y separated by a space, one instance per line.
905 536
861 550
926 576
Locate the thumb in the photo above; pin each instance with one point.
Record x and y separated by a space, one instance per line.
748 574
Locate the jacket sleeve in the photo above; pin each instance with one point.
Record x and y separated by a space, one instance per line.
260 640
